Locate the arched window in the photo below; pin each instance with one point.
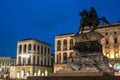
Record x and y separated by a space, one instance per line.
38 49
39 72
34 47
65 45
24 48
23 73
29 47
38 60
71 44
46 72
59 60
20 48
65 57
58 45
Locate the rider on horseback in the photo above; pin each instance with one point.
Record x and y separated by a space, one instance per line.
90 19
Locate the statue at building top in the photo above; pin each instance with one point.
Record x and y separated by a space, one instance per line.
90 19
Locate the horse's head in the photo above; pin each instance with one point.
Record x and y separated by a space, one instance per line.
84 12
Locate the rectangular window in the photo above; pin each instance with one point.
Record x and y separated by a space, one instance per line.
115 40
48 51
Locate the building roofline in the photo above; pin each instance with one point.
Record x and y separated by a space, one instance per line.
67 34
34 40
109 25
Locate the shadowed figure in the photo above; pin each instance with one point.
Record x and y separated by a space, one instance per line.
90 20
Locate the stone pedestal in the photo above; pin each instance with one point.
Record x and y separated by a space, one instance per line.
87 57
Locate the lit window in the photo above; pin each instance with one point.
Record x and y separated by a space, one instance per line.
18 75
35 74
39 73
46 73
116 55
28 73
108 55
43 74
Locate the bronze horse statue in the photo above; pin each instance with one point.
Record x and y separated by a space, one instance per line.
90 20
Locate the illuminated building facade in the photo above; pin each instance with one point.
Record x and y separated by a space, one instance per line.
110 45
5 63
33 59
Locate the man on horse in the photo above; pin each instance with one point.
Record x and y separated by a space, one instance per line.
90 19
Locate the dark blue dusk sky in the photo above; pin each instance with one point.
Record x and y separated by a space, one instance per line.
45 19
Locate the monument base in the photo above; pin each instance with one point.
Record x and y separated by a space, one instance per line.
76 76
83 74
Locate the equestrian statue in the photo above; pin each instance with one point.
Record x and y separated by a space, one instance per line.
90 19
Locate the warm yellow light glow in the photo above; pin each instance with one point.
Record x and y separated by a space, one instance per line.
39 73
112 56
108 55
25 55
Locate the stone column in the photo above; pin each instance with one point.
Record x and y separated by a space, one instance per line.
40 60
55 45
27 54
47 56
119 45
32 52
68 44
32 59
50 61
55 58
111 42
61 45
22 53
17 59
62 57
43 60
17 53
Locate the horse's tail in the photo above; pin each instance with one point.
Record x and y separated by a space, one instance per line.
104 20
